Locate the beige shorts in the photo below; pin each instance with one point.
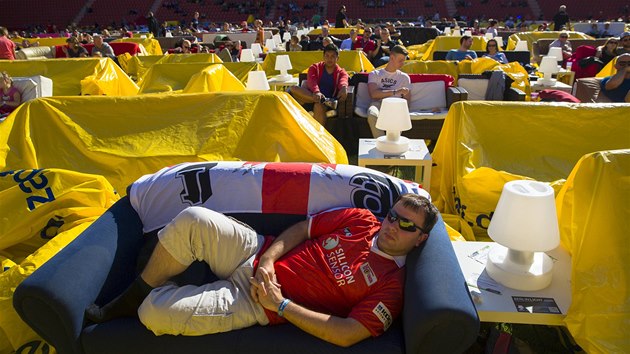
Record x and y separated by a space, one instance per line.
229 248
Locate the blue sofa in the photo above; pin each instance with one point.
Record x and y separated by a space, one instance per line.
438 315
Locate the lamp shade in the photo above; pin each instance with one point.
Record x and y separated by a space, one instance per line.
277 39
257 80
555 52
521 46
247 55
270 44
447 30
456 32
283 62
548 64
499 40
525 218
394 115
256 49
489 35
468 33
286 37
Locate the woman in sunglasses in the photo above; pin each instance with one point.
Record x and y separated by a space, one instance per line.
492 51
339 275
608 51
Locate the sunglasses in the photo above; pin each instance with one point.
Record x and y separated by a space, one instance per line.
491 45
403 223
564 37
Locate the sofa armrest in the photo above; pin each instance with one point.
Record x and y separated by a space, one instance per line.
454 94
439 315
346 109
514 94
98 264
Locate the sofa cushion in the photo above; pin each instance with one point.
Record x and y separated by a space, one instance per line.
427 96
476 88
363 100
33 87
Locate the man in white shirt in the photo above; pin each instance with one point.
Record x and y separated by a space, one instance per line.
388 82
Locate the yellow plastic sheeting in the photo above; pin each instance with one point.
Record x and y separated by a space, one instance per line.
609 69
431 67
333 31
542 141
176 77
593 215
417 51
43 210
151 46
532 37
442 43
514 70
351 60
213 79
241 70
91 135
190 58
72 77
137 65
43 42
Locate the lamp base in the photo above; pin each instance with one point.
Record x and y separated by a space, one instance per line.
547 82
397 147
528 271
284 77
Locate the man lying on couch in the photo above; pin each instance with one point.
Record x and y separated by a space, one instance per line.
338 275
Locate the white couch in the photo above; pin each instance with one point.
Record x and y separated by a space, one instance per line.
33 87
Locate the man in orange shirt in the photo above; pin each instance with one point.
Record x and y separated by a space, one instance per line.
7 47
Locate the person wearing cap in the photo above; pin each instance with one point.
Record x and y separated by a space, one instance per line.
388 82
617 87
339 275
464 52
561 19
326 84
624 43
563 43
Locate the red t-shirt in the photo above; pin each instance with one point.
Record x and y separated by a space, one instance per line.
338 272
367 46
7 48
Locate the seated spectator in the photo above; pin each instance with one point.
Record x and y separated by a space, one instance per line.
74 49
305 42
294 44
492 28
464 52
226 27
327 83
349 43
606 31
383 47
365 43
617 87
326 41
326 33
103 48
11 96
388 82
594 31
624 40
608 51
563 43
185 47
492 51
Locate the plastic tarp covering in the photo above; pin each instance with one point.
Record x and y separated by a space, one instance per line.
482 145
42 211
431 67
532 37
123 138
136 65
44 42
76 76
593 213
200 77
442 43
416 51
609 69
351 60
151 46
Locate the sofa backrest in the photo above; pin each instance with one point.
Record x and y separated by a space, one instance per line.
33 87
541 46
40 52
521 56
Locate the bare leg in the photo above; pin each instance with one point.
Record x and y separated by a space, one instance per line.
302 95
161 267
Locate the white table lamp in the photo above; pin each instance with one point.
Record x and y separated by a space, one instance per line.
256 49
489 35
555 52
499 40
286 37
468 33
257 80
521 46
270 44
277 39
283 64
548 66
247 55
447 31
524 226
457 32
393 118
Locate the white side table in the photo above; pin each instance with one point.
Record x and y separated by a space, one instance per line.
536 86
278 85
418 155
497 303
